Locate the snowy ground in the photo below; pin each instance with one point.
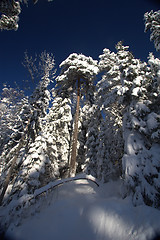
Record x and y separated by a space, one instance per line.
80 210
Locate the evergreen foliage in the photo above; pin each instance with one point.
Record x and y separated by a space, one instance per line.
74 67
58 133
152 23
10 14
10 10
127 99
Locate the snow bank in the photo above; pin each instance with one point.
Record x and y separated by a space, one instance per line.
80 210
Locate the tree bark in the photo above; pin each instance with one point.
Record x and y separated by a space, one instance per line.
72 168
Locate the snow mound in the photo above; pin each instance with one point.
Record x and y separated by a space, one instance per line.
81 210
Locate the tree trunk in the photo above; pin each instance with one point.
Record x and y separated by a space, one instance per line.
72 168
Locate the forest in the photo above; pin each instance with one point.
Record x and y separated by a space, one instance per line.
100 117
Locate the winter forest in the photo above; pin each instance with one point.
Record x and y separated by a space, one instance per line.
100 117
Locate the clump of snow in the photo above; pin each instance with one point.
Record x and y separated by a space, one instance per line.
152 121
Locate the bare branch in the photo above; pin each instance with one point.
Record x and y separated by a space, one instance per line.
29 63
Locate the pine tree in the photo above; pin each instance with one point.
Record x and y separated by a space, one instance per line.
32 114
41 97
87 119
86 116
11 122
139 162
128 103
110 101
92 145
39 102
58 133
78 72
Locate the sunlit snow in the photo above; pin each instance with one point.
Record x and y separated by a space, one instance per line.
83 211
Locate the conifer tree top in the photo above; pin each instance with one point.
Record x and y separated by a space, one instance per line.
78 65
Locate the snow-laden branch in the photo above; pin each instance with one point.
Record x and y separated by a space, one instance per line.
25 199
54 184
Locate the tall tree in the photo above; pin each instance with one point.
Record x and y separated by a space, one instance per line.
139 123
110 101
78 72
128 104
39 100
36 110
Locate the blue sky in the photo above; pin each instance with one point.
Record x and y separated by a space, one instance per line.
66 26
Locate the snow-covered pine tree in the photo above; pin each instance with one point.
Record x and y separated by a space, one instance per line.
111 105
139 162
114 143
152 132
141 125
47 157
78 72
87 115
13 122
128 107
10 107
33 152
40 98
13 151
152 23
154 64
37 158
98 145
58 135
93 157
108 83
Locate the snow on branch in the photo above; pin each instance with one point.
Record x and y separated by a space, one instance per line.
25 199
62 181
152 23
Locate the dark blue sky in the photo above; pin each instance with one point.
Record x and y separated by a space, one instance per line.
66 26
